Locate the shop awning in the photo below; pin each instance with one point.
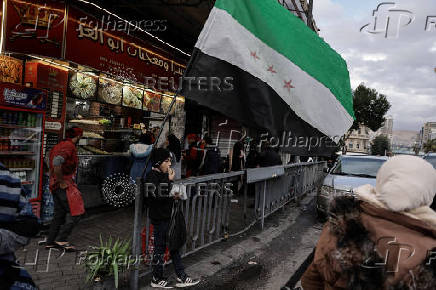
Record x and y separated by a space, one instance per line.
257 63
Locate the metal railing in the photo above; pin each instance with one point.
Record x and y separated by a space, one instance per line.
276 186
208 205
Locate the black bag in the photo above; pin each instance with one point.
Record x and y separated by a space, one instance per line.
212 161
177 230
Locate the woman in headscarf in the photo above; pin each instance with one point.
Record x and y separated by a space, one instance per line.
173 145
381 237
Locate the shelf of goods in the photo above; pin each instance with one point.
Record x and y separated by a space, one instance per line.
20 146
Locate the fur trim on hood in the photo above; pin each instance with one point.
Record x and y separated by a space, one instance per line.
426 214
406 183
356 258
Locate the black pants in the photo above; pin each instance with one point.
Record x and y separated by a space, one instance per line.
160 229
63 223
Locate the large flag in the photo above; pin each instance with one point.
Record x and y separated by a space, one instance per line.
284 77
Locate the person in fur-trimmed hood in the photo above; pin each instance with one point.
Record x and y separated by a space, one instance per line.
382 237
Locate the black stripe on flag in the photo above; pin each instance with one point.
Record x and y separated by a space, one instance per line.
254 104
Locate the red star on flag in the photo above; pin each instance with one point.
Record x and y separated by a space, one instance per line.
271 69
288 85
253 54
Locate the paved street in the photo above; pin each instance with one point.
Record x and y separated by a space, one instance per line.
277 260
258 260
265 259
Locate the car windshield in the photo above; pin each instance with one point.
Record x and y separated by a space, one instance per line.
364 167
432 160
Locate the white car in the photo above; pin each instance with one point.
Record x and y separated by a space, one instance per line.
348 173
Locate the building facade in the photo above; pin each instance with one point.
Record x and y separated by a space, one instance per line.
428 132
359 141
387 129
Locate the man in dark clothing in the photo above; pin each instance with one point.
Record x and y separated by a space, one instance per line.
67 211
269 157
160 208
212 158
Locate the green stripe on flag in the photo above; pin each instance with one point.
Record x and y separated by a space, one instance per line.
288 35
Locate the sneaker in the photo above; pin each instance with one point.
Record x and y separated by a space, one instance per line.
186 282
160 283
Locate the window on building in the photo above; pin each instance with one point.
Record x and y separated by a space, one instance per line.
358 146
359 131
350 145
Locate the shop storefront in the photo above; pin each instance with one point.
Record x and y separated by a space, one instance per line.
91 76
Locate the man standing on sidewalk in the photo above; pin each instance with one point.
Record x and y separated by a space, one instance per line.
68 202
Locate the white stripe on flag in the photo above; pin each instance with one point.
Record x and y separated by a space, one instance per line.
224 38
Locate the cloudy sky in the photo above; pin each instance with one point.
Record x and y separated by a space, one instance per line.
401 65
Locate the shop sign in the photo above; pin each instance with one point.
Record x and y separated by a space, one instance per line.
115 52
15 95
55 126
35 27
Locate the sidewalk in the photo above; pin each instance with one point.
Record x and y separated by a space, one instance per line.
54 270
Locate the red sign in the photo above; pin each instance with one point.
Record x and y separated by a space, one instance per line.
35 27
91 42
54 81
